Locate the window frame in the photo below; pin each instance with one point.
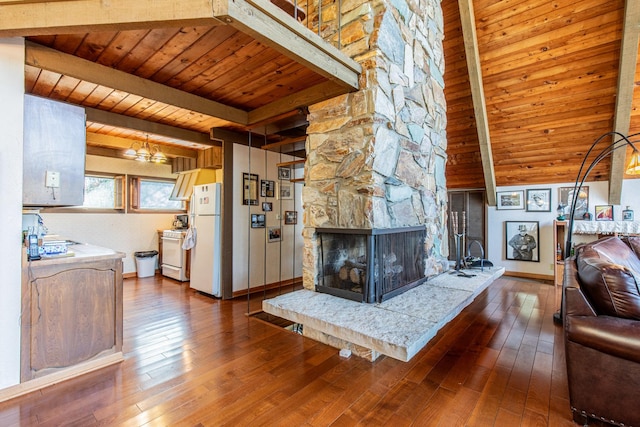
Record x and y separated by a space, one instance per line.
133 199
119 193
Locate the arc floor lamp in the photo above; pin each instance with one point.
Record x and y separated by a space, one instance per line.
633 168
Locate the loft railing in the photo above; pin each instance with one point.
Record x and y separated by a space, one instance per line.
311 16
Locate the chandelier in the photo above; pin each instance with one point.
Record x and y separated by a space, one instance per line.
145 152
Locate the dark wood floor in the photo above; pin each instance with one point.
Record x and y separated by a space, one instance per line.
191 360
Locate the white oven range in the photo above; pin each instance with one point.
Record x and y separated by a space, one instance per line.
175 260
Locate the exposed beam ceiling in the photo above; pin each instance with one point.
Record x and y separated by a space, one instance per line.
467 17
81 69
122 121
268 23
624 98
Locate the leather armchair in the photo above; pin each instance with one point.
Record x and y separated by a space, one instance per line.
601 316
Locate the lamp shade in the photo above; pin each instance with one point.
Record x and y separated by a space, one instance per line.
633 168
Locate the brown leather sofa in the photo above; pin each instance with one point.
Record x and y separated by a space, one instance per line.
601 317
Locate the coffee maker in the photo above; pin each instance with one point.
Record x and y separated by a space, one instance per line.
181 222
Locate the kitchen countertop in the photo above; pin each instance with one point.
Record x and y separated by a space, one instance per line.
77 252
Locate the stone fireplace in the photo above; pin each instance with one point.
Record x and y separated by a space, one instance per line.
376 158
370 265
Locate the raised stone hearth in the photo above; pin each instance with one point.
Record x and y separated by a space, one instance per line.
397 328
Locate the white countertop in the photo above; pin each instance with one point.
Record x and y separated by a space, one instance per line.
79 252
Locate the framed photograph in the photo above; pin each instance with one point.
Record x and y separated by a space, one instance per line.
604 212
274 234
290 217
284 173
285 191
250 189
267 188
267 206
257 221
522 240
510 199
565 197
539 200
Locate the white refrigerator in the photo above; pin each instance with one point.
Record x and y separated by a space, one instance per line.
206 254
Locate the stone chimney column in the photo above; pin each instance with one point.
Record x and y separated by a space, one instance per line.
376 158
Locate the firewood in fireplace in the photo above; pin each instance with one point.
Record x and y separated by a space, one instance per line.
343 273
357 276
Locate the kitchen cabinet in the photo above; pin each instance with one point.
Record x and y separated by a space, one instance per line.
54 153
71 313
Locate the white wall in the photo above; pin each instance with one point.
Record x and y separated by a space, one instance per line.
11 119
496 244
124 232
255 261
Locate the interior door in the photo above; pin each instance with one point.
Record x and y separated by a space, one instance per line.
473 241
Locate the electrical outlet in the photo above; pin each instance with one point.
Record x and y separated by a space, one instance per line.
278 216
52 179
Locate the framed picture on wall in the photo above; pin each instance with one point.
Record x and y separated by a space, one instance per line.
267 188
290 217
257 221
604 212
522 240
274 234
284 173
510 199
565 197
250 189
539 200
285 191
267 206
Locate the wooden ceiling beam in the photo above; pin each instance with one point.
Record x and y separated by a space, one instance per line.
624 98
31 18
122 121
81 69
303 98
271 25
472 54
120 144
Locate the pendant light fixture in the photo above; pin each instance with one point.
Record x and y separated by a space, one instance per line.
145 152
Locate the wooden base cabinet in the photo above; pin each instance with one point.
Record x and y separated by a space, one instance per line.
72 313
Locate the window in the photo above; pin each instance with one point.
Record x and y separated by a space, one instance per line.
103 192
152 194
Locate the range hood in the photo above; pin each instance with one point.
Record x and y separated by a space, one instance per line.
186 180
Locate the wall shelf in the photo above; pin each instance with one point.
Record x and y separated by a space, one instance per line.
294 164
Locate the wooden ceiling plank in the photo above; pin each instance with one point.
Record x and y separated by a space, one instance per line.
269 24
624 98
467 18
40 56
120 47
119 120
191 62
145 49
59 17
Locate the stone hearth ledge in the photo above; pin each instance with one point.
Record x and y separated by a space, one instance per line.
398 328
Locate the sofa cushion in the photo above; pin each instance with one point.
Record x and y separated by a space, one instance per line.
607 270
634 243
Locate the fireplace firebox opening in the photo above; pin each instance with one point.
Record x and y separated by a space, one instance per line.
370 265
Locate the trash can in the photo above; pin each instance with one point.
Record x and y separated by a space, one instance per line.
146 263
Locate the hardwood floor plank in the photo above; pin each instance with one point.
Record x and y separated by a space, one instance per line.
192 360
